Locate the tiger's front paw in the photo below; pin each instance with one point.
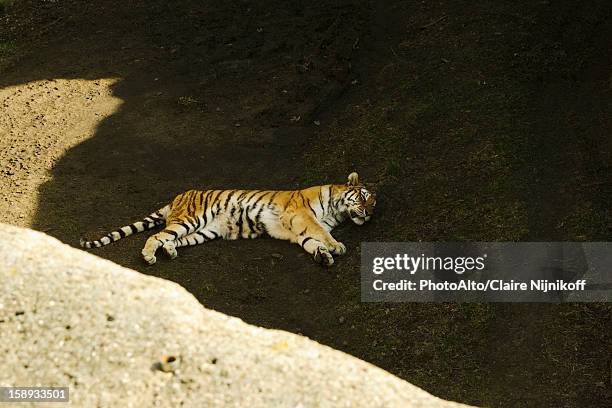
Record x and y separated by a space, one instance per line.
323 256
338 248
170 248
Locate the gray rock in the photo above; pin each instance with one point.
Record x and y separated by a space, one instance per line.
69 318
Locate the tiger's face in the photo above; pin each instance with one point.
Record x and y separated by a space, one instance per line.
359 201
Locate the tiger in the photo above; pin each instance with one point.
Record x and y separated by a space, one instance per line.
305 217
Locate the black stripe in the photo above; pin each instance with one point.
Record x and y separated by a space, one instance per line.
250 221
186 225
240 197
179 200
305 241
191 204
248 199
253 204
168 231
213 202
321 200
121 233
201 198
302 197
260 198
239 221
194 220
272 198
229 197
208 194
336 202
206 236
289 200
312 209
258 218
134 229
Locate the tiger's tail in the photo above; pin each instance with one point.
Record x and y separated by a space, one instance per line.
153 220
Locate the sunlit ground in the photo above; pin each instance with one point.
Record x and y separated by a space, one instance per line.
40 121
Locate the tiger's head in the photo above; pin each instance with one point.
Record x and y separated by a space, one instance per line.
358 200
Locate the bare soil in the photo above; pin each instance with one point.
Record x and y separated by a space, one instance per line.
486 121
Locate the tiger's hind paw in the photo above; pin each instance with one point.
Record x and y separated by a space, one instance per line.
150 259
323 256
170 248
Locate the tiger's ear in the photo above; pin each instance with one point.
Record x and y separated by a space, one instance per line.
353 179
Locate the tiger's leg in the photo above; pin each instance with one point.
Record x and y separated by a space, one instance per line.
323 234
318 250
164 239
195 238
315 239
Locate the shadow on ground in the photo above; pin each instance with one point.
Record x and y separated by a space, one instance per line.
462 116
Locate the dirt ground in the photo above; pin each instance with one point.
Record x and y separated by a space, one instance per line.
487 121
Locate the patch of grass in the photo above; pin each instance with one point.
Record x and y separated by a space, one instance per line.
7 49
4 5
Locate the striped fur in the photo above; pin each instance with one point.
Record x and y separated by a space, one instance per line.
304 217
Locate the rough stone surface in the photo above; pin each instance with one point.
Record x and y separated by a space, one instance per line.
68 318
